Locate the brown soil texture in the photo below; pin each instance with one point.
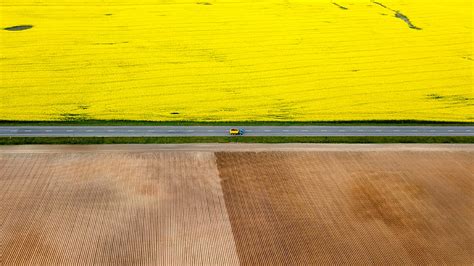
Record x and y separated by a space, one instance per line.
191 204
113 208
379 207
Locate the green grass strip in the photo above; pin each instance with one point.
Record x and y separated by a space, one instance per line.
174 140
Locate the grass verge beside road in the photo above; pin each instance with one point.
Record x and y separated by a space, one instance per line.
176 140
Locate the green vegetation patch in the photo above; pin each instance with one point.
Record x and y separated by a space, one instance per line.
175 140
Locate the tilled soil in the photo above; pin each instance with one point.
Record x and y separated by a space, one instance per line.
379 208
358 206
114 208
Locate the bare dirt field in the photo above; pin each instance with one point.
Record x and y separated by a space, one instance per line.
350 207
119 208
254 204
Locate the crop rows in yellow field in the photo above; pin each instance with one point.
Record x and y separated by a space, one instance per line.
237 60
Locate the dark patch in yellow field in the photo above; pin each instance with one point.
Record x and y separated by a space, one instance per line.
341 7
452 99
104 43
399 15
407 20
18 28
73 117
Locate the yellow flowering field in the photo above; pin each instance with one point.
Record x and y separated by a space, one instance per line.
229 60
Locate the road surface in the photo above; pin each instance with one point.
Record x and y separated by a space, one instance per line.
178 131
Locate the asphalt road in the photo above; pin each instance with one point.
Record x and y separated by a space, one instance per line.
175 131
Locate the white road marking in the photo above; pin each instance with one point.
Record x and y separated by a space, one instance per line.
190 130
69 130
450 130
171 130
150 131
48 130
266 130
210 130
111 130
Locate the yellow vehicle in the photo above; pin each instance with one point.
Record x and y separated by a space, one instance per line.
236 131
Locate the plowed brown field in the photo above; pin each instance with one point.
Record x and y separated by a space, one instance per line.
350 207
406 205
97 208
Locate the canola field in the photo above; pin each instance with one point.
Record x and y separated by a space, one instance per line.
228 60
